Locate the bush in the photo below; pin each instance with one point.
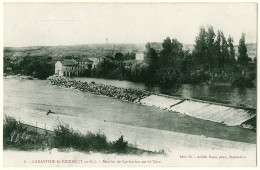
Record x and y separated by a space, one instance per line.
17 135
95 141
120 145
65 137
11 125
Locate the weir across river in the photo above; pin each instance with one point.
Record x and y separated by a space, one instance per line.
215 112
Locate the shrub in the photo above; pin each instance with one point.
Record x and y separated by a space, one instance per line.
17 135
65 137
11 125
95 141
120 145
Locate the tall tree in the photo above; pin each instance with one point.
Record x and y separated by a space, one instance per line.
151 57
242 51
170 52
217 49
165 55
200 47
224 51
167 45
231 49
210 46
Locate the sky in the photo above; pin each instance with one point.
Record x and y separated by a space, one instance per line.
50 24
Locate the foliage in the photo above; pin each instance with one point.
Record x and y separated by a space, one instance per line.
65 137
32 66
120 145
17 135
23 137
212 60
242 51
11 125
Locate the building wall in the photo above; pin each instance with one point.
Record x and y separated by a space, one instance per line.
73 70
139 56
95 60
69 70
58 68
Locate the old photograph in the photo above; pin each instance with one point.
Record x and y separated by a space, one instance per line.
129 84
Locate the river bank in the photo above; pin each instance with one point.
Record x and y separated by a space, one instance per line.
20 76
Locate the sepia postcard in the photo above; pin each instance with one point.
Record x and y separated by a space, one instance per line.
129 84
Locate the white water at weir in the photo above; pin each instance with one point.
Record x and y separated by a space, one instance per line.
159 101
202 110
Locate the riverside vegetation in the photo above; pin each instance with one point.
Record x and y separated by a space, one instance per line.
17 135
213 60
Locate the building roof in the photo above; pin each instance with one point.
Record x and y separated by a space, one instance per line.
140 52
83 60
68 63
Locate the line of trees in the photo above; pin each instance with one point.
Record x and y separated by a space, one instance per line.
35 66
212 60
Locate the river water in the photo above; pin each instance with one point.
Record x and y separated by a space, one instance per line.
34 98
236 96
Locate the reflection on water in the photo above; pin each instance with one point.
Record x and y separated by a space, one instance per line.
237 96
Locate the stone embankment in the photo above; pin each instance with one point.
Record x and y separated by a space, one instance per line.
131 95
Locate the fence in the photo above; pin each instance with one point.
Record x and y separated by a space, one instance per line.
37 125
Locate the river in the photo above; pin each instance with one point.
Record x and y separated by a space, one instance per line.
31 99
236 96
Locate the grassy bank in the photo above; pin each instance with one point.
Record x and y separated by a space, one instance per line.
19 136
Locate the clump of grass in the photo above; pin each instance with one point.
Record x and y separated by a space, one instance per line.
66 137
17 135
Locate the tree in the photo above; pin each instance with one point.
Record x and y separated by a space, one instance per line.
217 49
200 47
224 51
242 51
165 55
231 49
210 46
119 56
151 57
167 46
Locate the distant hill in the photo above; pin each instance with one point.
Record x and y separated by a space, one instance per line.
57 52
93 50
